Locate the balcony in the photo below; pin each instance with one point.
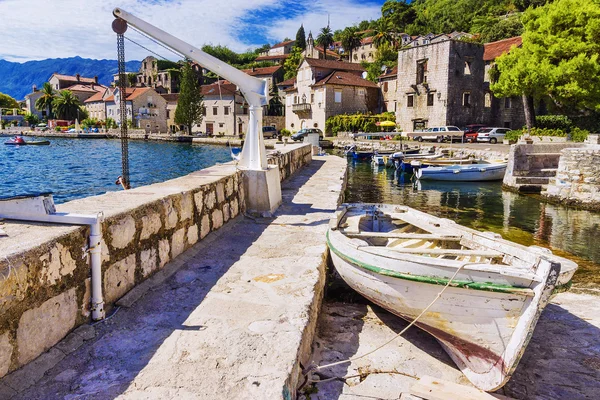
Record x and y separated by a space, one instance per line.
301 108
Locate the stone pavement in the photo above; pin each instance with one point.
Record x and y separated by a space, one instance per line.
228 319
562 360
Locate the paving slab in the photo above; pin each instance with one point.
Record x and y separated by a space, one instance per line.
562 360
231 322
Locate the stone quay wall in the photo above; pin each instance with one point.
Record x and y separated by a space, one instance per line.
45 285
577 181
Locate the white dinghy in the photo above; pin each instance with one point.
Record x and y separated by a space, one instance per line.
401 258
482 171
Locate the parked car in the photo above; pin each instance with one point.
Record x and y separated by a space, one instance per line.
269 132
304 132
471 132
491 135
439 134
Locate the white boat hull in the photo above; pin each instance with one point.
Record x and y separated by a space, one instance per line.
483 320
465 173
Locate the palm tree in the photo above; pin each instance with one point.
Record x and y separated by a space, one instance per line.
350 40
45 102
325 39
383 34
66 105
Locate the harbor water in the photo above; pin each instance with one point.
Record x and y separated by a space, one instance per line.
485 206
76 168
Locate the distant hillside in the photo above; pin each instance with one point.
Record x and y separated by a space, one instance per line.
16 79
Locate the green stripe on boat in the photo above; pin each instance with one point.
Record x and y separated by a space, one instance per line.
485 286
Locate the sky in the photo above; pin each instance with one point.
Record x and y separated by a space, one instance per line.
40 29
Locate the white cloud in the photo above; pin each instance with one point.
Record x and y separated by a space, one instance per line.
39 29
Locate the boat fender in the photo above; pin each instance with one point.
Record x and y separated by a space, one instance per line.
482 170
456 171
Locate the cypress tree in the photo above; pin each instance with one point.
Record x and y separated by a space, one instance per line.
301 38
189 104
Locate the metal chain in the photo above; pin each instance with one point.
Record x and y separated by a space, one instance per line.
123 111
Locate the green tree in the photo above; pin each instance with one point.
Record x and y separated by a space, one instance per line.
325 39
291 64
31 119
383 34
131 79
350 40
559 59
189 105
275 105
301 38
65 105
492 29
398 14
46 101
8 102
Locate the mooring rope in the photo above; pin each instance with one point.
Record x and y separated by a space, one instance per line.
313 368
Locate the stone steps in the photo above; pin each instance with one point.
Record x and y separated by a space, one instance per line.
542 172
532 180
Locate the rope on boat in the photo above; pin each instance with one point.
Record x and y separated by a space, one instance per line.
314 368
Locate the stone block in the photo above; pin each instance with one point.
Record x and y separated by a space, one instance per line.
151 225
171 216
187 206
210 199
71 343
30 374
14 285
229 187
56 264
178 242
6 350
42 327
148 261
105 252
226 212
220 192
198 199
119 278
217 219
163 252
192 235
233 207
122 232
204 226
87 332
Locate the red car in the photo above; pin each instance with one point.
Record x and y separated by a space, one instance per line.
471 132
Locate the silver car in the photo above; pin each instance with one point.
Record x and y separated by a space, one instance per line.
491 135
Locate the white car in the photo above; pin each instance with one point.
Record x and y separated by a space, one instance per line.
491 135
439 134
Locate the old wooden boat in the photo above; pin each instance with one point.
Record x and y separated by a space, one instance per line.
468 173
18 141
401 258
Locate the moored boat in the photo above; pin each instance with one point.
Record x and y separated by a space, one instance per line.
19 141
469 173
401 258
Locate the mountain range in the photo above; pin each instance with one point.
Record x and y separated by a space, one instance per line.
17 79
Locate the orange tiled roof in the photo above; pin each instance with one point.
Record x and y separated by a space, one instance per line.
367 40
262 71
132 93
333 64
282 44
494 50
170 97
74 78
345 79
287 82
97 97
86 88
390 73
214 89
329 52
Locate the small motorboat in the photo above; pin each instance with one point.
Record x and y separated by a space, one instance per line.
19 141
468 173
401 259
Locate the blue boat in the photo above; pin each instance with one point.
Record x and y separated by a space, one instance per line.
466 173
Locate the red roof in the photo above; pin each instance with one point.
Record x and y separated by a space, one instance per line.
287 82
282 44
74 78
333 64
97 97
86 88
216 89
329 52
267 58
132 93
262 71
367 40
345 79
390 73
496 49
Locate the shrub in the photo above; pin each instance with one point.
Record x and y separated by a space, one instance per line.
513 135
561 122
356 122
579 135
57 129
285 132
398 137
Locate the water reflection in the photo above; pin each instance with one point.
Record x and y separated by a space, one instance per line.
485 206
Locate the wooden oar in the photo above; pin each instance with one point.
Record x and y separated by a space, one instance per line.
392 235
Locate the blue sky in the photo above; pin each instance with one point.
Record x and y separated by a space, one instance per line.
39 29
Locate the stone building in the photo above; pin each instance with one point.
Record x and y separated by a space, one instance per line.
273 75
30 100
163 76
225 110
145 107
96 105
365 52
324 88
313 51
443 83
388 83
171 99
84 91
60 81
278 53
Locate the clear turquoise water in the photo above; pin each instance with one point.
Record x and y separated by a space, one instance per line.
76 168
528 220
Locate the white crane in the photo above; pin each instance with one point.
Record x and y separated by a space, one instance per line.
253 156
